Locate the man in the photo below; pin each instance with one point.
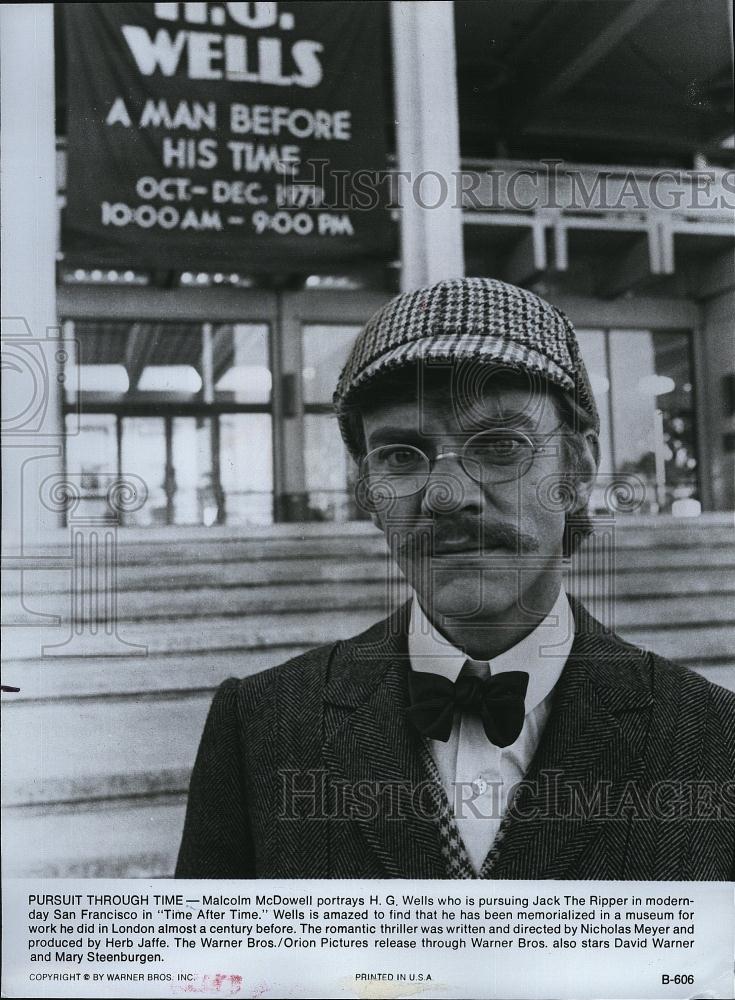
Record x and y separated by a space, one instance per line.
489 727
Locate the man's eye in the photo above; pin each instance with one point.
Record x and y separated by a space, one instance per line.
400 459
500 448
504 447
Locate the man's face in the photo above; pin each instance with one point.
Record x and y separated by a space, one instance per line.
475 551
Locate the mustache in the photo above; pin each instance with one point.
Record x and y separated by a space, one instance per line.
460 532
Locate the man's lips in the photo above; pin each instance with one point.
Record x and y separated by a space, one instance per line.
455 547
473 550
465 545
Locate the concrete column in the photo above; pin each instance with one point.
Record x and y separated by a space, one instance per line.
31 410
427 132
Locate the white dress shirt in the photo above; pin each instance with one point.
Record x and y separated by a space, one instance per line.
477 776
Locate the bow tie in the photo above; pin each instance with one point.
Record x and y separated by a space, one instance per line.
498 700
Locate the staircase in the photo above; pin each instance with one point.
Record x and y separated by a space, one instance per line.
99 742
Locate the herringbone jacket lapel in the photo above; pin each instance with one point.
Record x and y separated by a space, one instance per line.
591 753
371 752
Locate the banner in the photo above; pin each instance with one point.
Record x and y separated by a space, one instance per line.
231 135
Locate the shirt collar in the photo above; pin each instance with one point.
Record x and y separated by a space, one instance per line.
542 653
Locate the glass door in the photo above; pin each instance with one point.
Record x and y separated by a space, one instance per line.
329 470
643 381
184 407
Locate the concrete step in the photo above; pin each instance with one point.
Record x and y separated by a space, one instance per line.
216 550
192 545
77 677
691 643
258 630
130 838
141 744
709 604
192 634
255 630
134 605
667 565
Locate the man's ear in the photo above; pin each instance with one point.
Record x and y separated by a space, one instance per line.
588 461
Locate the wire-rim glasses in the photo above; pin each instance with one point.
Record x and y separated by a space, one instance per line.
488 457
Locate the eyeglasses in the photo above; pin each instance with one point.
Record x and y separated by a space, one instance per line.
489 457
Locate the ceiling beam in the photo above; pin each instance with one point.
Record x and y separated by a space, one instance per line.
713 276
562 48
549 21
631 270
596 49
527 259
683 129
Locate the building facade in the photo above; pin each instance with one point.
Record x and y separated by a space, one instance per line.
572 165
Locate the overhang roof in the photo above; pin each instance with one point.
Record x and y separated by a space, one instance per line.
604 81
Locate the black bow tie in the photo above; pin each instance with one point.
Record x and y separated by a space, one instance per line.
498 700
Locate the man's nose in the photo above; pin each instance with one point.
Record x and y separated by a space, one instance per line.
449 487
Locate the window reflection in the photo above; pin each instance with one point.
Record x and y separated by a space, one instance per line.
325 350
593 346
240 363
246 467
143 453
170 378
642 381
193 494
91 459
330 472
653 411
97 378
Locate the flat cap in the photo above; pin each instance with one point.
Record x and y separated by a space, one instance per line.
467 319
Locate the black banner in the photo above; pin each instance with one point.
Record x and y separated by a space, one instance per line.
224 135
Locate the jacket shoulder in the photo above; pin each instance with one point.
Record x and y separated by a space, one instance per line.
296 670
666 674
683 693
309 671
620 660
720 698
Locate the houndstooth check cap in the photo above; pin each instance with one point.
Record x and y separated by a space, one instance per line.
467 319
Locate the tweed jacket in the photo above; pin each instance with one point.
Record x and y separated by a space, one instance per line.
309 770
